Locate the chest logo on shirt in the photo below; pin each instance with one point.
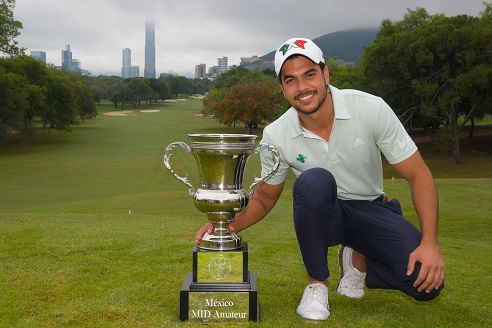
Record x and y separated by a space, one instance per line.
301 158
358 142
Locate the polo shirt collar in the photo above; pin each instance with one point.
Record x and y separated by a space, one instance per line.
341 113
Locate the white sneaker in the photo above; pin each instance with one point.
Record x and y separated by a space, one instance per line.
351 282
314 303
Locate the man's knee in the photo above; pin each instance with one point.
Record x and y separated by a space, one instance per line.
314 198
414 292
424 296
315 180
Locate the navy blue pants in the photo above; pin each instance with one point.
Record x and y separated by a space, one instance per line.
376 229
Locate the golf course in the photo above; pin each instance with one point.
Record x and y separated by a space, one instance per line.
96 232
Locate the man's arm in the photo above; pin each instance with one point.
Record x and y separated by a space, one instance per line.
425 200
260 204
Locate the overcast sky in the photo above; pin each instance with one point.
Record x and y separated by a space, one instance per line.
190 32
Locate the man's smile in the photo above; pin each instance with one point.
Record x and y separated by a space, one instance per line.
305 97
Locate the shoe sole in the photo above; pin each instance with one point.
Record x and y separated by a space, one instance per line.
313 320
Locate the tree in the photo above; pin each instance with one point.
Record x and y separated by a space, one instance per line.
97 86
14 103
9 29
115 90
84 99
161 88
60 111
235 77
386 67
213 96
179 85
201 86
433 68
238 75
137 90
250 103
20 97
343 76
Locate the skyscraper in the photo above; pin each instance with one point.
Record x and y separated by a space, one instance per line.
68 63
39 55
127 70
67 58
223 64
200 71
149 70
127 62
127 57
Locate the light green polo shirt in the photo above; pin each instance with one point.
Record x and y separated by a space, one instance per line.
365 126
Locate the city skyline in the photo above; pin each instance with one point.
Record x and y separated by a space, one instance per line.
127 69
189 33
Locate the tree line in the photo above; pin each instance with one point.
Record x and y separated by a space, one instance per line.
33 93
132 92
434 71
31 90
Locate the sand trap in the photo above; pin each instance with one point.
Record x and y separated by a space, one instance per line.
175 100
121 113
131 112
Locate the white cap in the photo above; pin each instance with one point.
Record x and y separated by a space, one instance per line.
299 46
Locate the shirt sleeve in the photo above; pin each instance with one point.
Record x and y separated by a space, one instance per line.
391 137
267 162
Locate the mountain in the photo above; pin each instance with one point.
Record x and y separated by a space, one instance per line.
346 46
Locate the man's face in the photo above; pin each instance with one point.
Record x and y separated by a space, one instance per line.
304 84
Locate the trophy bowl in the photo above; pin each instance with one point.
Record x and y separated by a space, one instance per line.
221 161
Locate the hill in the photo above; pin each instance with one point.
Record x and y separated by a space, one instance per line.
346 46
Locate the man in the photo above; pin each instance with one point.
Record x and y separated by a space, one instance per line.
332 140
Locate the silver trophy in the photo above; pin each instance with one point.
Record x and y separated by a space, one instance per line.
221 160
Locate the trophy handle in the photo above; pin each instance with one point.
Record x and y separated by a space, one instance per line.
167 156
276 159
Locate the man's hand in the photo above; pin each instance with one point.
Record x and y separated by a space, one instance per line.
431 275
209 228
260 203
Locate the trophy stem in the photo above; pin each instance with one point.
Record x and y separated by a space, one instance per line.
221 228
221 239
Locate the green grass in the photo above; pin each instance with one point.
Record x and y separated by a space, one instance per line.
95 232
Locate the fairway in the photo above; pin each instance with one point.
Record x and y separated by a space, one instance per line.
95 232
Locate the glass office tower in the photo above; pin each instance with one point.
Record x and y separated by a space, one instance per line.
149 70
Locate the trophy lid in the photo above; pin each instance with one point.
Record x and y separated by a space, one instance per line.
227 141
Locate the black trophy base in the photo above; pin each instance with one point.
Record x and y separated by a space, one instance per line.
220 289
219 303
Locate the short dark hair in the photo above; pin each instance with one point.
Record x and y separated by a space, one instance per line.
322 65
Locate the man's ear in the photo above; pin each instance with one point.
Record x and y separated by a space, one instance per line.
326 73
282 88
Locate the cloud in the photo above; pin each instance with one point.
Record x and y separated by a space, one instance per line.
190 32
